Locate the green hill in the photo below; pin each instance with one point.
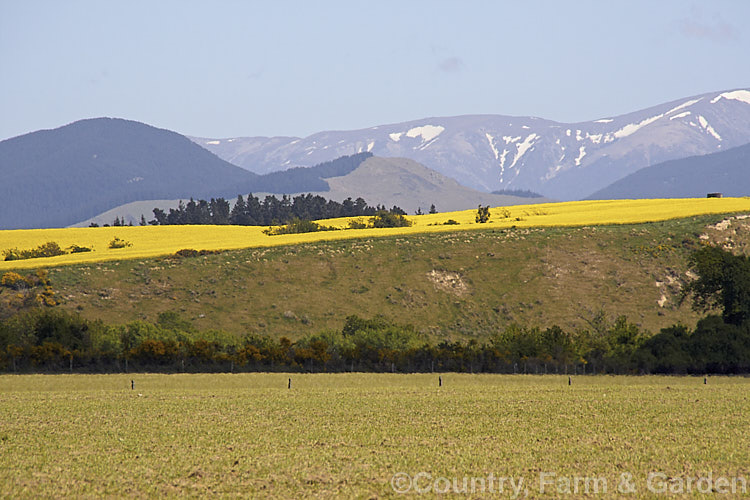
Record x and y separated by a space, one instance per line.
449 285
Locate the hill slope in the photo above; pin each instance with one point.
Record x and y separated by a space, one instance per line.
727 172
452 284
493 152
410 185
380 181
59 177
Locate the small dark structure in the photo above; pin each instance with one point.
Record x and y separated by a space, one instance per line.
713 195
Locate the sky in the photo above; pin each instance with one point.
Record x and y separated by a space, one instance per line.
223 68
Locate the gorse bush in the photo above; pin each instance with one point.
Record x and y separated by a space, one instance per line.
14 281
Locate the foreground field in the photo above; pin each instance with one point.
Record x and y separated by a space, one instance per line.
152 241
371 435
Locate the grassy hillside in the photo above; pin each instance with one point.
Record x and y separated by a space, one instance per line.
457 284
454 283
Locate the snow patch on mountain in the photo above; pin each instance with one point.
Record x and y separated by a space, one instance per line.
737 95
595 138
396 136
680 115
604 120
522 148
502 164
427 132
632 128
581 154
491 140
708 128
683 105
213 142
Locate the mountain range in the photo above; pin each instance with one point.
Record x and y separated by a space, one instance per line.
60 177
492 152
90 169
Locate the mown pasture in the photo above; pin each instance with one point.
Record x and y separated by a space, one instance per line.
348 435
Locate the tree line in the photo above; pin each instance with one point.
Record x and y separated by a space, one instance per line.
252 211
57 341
52 340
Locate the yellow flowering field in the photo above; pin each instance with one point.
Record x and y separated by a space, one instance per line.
152 241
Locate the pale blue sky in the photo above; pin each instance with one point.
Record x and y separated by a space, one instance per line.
225 68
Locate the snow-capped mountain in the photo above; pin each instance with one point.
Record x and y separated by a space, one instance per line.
494 152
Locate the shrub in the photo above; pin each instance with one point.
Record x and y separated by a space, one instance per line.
384 218
186 252
119 243
483 214
14 281
49 249
298 226
77 249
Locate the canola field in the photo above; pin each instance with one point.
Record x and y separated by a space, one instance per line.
373 436
154 241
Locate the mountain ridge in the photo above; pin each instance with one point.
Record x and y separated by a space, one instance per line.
493 152
57 177
725 172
